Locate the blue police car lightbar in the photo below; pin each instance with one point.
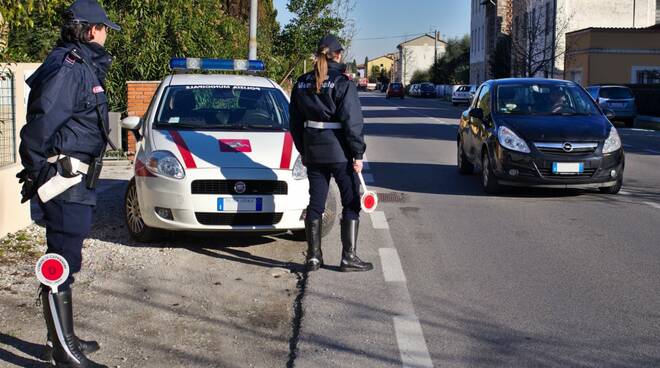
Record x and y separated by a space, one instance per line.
216 64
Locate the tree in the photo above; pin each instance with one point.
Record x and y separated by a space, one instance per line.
454 65
535 46
420 76
312 19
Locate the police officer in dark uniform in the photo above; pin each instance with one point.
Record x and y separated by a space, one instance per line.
65 138
326 124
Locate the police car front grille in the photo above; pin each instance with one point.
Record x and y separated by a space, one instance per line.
238 219
252 187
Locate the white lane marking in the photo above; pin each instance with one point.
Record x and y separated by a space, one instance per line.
365 162
625 193
378 220
392 269
368 178
654 205
652 151
412 345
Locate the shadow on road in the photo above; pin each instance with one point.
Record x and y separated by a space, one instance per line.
413 131
445 179
33 350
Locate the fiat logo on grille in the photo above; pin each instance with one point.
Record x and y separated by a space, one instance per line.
568 147
240 187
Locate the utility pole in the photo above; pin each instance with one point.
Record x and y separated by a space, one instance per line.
436 47
254 4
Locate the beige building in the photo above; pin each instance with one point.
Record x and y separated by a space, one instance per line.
382 62
490 23
14 92
613 55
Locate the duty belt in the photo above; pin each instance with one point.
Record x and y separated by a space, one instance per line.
322 125
71 164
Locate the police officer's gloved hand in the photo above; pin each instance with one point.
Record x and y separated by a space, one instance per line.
28 190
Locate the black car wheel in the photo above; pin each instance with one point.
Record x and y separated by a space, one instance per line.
133 216
614 189
465 167
488 179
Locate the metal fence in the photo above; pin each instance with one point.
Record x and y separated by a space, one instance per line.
7 120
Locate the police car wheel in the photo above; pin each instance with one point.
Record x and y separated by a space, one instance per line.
134 223
328 219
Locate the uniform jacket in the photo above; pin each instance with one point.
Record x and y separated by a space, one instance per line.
61 116
337 102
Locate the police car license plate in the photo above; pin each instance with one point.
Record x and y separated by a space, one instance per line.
240 204
567 167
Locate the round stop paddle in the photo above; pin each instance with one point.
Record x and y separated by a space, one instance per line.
52 270
369 200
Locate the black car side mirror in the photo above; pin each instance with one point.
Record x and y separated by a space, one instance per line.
609 114
476 113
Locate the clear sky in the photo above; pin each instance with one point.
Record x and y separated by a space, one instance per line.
383 24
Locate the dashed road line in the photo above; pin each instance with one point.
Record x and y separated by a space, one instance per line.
654 205
378 220
392 269
408 331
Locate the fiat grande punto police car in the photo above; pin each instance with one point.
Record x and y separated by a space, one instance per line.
214 153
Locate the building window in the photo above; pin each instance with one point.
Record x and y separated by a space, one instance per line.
7 121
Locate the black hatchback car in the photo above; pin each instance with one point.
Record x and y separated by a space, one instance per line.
539 133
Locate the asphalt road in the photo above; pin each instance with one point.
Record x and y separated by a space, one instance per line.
530 278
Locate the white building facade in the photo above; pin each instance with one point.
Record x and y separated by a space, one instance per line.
554 18
478 57
417 55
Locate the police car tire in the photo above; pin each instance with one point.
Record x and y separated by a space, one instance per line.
145 234
329 216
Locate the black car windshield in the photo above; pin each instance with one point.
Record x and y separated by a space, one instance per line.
223 107
616 93
543 99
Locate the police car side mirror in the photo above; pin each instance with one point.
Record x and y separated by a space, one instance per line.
131 123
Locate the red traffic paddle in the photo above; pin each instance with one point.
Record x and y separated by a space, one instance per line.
52 270
369 200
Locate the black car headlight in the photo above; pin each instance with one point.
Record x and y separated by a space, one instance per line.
613 141
510 140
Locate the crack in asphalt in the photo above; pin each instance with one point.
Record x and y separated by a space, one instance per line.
298 314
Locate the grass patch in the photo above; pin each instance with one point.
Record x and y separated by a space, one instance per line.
22 245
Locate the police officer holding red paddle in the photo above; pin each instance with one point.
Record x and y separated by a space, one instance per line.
326 124
62 147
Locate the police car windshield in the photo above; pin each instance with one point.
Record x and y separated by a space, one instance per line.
223 107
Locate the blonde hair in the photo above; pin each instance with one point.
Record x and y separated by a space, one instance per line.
323 54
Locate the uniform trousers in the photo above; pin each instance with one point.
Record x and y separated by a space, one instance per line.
349 189
67 226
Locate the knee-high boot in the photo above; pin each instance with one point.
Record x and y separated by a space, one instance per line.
314 253
66 350
349 259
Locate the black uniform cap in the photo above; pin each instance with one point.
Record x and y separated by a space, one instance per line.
331 42
90 11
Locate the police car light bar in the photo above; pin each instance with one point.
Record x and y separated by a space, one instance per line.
216 64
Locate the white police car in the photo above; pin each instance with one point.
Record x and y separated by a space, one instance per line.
215 154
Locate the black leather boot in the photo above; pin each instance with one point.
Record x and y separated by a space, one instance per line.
314 252
349 259
66 351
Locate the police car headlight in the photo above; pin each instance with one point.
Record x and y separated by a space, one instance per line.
613 142
299 170
166 164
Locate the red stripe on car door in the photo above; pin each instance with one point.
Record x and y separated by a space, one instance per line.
287 150
188 159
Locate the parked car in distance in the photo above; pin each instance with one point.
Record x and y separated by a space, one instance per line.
362 84
463 94
414 90
395 90
427 90
542 133
619 99
371 86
